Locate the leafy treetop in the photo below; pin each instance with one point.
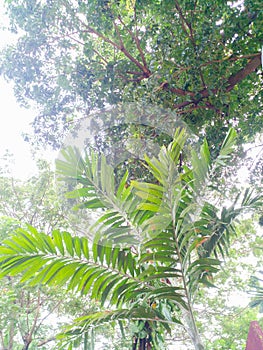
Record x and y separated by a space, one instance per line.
200 59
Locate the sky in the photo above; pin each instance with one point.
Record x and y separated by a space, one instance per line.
14 119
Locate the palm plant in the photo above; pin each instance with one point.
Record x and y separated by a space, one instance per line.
256 291
154 243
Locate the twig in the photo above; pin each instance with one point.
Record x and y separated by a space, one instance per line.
43 342
137 42
50 312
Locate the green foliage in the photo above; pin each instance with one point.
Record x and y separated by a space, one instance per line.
154 243
203 62
157 238
223 314
233 334
26 312
256 291
24 200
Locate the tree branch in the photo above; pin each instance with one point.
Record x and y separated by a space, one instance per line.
119 46
188 29
197 107
177 91
237 58
28 338
185 25
43 342
138 44
48 314
232 81
184 104
252 65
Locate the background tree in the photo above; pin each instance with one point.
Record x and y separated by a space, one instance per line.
26 312
201 61
226 318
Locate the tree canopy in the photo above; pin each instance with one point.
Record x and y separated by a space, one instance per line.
200 59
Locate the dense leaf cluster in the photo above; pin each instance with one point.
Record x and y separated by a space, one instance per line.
199 59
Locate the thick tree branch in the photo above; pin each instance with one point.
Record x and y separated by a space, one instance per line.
181 92
133 72
191 109
232 58
183 104
232 81
177 91
252 65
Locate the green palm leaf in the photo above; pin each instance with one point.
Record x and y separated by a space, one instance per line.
100 276
82 324
152 241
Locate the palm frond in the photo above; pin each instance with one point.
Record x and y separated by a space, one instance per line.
61 258
152 241
219 227
256 291
83 324
95 187
103 272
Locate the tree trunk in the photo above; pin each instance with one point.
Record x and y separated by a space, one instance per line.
149 345
134 343
142 344
27 339
11 335
26 346
192 331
